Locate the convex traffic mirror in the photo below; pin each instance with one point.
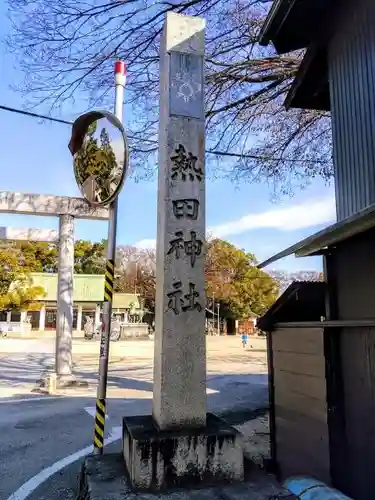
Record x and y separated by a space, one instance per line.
100 156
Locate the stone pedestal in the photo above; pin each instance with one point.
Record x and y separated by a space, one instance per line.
131 331
158 460
103 478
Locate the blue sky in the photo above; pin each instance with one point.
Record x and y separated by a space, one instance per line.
35 159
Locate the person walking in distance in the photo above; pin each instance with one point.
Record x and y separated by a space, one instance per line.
244 338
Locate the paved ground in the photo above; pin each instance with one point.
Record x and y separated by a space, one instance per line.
40 435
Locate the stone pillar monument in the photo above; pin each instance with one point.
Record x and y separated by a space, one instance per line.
181 445
180 344
64 325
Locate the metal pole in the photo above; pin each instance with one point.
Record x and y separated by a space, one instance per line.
120 78
218 318
136 276
213 312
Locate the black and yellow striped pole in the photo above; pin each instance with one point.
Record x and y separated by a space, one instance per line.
108 286
100 411
99 424
109 280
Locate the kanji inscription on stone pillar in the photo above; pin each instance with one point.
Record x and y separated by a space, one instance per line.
180 345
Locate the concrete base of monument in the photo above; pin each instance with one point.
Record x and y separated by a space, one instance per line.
103 477
161 460
52 382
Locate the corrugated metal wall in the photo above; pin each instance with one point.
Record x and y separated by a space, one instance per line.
352 86
358 364
355 265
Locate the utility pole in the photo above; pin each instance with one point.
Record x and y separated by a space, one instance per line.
120 79
218 318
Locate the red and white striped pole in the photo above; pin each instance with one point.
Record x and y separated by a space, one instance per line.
120 80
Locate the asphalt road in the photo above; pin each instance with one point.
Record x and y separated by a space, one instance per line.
39 431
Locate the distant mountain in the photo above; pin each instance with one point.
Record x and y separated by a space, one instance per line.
285 278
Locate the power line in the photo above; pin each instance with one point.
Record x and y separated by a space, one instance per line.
151 141
34 115
58 120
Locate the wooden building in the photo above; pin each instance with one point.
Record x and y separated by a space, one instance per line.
247 325
321 346
298 381
322 336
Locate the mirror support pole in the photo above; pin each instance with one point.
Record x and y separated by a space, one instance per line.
120 79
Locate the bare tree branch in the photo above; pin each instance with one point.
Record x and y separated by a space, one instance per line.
67 49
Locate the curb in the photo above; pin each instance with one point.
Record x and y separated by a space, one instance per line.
83 487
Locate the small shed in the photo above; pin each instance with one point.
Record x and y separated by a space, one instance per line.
297 381
321 346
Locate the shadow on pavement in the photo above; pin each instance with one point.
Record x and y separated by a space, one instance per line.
23 368
227 393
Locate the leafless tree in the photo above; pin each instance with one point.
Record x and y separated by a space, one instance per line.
135 269
66 49
285 278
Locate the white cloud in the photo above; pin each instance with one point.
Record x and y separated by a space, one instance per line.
301 216
146 243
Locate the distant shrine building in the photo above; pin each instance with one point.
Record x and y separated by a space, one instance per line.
88 298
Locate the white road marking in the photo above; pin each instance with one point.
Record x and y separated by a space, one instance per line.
211 391
91 410
39 398
43 398
32 484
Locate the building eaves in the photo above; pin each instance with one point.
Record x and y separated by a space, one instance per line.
318 243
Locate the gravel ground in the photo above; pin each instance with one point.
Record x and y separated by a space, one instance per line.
256 438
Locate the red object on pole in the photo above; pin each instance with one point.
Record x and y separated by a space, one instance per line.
120 67
120 75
